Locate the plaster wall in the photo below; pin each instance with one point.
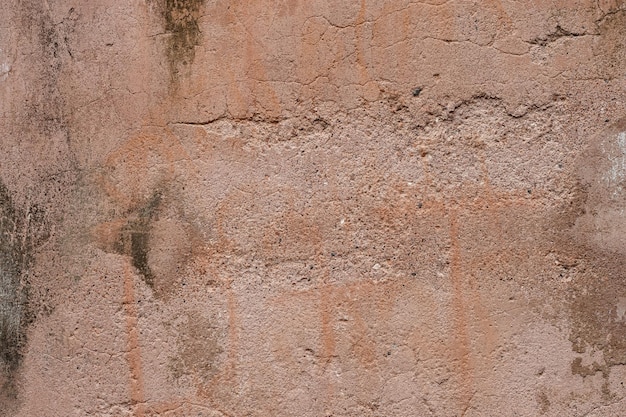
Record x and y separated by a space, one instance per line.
312 208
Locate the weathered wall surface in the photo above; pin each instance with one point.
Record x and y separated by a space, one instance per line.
312 208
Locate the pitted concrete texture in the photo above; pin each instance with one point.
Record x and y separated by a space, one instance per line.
312 208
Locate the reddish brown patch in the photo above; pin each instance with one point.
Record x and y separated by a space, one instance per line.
134 351
107 234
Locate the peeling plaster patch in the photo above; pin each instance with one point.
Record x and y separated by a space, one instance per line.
598 304
602 173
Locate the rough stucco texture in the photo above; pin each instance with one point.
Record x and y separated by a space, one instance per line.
312 208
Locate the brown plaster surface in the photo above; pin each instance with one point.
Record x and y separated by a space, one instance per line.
321 208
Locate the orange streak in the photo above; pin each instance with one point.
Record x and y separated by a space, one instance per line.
134 353
462 347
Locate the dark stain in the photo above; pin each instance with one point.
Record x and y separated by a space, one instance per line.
199 349
46 105
181 24
544 402
13 301
20 232
589 370
592 308
134 238
595 325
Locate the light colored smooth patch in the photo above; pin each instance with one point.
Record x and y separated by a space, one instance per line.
621 309
5 67
617 172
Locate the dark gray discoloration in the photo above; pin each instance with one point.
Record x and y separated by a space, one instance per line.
135 237
46 108
12 294
181 24
17 242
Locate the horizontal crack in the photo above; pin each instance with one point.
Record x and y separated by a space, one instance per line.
558 33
